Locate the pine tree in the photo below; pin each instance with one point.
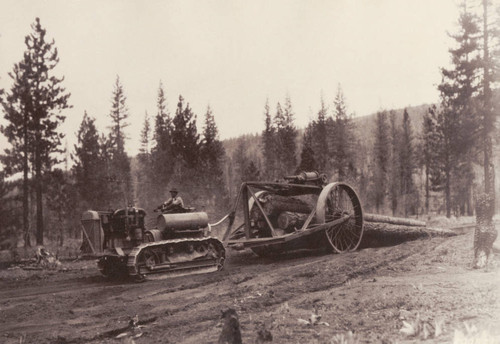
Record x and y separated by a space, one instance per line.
89 167
342 140
457 119
251 172
394 167
41 98
211 147
144 174
212 155
119 115
120 162
19 134
320 138
407 165
240 161
380 159
61 199
286 135
307 160
188 172
445 157
111 187
486 232
146 136
268 145
279 125
162 108
162 153
429 141
185 137
490 76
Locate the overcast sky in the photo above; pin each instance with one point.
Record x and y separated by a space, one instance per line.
233 55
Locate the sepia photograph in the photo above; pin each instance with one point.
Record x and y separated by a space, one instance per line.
249 172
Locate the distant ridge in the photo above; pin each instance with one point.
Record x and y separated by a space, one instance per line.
364 124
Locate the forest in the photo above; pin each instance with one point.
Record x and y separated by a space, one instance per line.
417 161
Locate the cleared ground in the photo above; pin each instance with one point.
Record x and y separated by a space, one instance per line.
427 283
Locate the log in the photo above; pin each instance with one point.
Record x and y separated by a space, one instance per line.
384 234
288 221
393 220
274 205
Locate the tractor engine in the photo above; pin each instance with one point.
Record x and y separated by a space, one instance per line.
126 228
172 226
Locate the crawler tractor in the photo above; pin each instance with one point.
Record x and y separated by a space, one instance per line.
301 212
180 244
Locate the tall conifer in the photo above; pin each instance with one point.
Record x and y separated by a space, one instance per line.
307 160
89 167
212 157
162 155
268 145
342 140
185 137
40 99
394 167
457 119
407 164
120 162
381 155
320 138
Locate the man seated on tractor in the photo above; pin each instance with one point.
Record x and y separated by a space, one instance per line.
174 204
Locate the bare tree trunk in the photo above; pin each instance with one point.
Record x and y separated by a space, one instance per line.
486 233
487 115
26 224
427 190
447 193
61 232
38 191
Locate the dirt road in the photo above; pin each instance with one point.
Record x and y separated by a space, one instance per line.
427 283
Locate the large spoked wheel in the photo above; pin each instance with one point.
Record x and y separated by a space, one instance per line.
337 201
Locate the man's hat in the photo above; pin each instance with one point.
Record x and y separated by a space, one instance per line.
174 190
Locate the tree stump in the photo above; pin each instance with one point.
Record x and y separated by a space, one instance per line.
485 232
231 332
